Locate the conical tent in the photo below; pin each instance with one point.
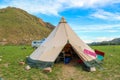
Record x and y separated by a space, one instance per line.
46 54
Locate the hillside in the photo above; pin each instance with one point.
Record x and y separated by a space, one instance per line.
115 41
19 27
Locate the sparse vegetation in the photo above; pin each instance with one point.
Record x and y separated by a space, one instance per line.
11 70
19 27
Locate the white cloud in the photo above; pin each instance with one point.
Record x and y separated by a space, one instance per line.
112 31
53 7
89 39
97 28
99 39
98 32
101 14
86 38
48 7
38 6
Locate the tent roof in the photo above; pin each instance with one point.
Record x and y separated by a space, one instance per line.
56 41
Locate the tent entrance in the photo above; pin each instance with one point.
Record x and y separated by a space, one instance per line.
68 55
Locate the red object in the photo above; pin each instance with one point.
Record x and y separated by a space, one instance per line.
80 61
99 52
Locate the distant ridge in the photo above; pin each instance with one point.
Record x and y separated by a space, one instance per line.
115 41
19 27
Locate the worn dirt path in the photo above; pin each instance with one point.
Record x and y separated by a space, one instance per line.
70 72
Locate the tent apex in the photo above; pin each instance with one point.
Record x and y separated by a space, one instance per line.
62 20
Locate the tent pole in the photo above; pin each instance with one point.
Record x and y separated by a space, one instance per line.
64 57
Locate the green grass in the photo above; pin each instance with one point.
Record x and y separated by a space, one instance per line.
11 70
19 27
111 65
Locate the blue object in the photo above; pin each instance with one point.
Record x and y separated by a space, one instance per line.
1 78
100 57
67 60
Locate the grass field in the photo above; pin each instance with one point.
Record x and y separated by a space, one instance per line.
11 70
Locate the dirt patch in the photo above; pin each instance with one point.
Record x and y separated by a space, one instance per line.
70 72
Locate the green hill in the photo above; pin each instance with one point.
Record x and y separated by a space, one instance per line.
19 27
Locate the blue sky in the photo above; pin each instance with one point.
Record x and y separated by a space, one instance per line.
92 20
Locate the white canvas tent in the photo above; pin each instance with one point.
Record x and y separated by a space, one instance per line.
46 54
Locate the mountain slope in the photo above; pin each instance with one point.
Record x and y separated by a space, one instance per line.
19 27
115 41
